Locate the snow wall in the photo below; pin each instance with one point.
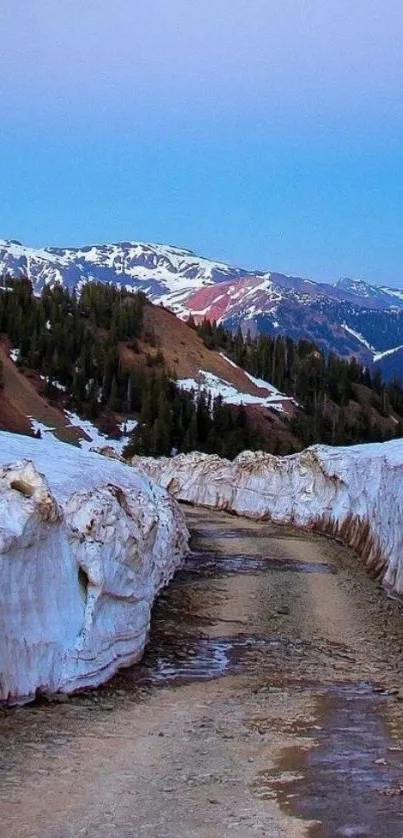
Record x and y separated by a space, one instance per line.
352 493
86 543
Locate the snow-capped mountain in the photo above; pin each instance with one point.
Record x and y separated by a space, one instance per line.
385 295
351 317
159 270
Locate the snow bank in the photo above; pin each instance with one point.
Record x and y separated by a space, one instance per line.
355 494
85 545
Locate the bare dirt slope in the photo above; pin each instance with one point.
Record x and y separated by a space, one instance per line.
264 706
20 399
185 353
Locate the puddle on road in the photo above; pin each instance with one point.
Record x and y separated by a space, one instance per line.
184 660
351 780
206 533
280 533
187 660
187 642
213 564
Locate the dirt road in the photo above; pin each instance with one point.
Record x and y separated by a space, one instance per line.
267 704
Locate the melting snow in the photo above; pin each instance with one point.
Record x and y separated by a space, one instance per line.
358 336
353 493
263 385
216 386
96 438
64 510
54 383
128 426
228 360
39 426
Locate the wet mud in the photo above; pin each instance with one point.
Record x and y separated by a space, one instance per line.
349 777
202 563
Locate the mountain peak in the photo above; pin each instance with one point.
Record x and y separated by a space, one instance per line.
355 286
351 317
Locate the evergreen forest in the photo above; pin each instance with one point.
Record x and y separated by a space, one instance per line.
74 342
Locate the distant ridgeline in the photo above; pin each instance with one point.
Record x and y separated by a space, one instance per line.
98 358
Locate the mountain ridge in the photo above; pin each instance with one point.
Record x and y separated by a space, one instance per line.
350 317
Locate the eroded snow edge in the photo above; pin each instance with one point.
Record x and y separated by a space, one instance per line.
354 494
79 569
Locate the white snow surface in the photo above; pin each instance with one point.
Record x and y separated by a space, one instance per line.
57 384
92 437
215 386
264 385
353 493
379 355
96 439
358 336
86 543
395 292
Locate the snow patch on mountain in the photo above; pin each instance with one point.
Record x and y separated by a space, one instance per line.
86 543
354 493
394 292
263 385
358 336
380 355
91 437
94 438
266 302
219 387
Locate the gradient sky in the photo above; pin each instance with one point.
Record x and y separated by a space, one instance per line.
265 132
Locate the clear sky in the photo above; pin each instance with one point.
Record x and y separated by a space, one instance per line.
265 132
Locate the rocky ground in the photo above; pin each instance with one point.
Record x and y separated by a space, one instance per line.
269 703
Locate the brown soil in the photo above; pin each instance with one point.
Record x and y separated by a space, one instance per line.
185 353
20 399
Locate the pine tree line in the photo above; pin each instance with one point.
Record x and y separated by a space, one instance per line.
325 386
74 342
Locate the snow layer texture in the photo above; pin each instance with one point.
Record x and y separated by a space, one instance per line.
86 543
355 494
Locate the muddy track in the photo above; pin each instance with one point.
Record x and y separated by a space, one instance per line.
267 704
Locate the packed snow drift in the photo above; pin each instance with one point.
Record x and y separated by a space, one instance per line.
355 494
86 543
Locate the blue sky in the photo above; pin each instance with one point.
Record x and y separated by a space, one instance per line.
267 132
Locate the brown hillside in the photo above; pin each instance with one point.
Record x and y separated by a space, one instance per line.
21 398
185 353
